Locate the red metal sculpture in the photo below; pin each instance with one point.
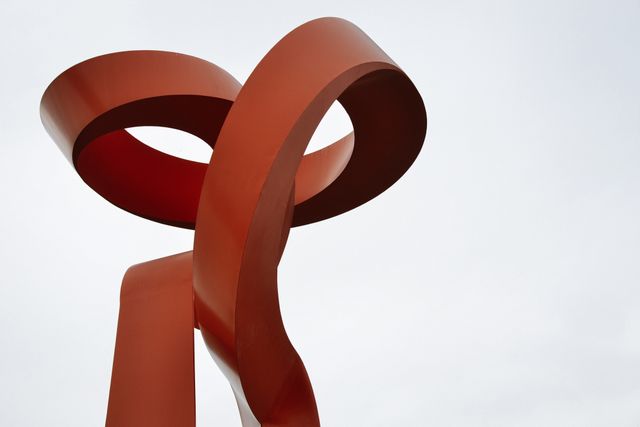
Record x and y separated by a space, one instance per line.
242 204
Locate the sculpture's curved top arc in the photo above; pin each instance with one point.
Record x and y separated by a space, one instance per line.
98 85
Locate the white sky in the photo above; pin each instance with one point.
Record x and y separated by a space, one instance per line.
496 284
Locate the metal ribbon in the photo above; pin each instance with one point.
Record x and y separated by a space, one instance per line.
242 204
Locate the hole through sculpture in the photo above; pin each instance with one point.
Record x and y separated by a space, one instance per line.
174 142
242 204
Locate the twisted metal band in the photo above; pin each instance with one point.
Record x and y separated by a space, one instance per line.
242 204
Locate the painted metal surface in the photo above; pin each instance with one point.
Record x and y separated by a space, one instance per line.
242 204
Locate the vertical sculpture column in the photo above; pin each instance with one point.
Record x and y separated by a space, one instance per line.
258 184
152 382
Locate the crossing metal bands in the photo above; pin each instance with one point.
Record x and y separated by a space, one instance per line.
242 204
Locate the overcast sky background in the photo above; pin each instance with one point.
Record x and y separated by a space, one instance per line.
496 284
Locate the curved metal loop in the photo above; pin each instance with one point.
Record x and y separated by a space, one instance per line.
257 185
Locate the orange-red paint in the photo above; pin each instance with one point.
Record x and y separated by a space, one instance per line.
242 204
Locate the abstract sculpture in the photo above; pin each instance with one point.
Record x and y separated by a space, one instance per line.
242 204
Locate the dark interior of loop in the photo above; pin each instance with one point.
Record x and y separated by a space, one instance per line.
389 122
164 188
141 179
